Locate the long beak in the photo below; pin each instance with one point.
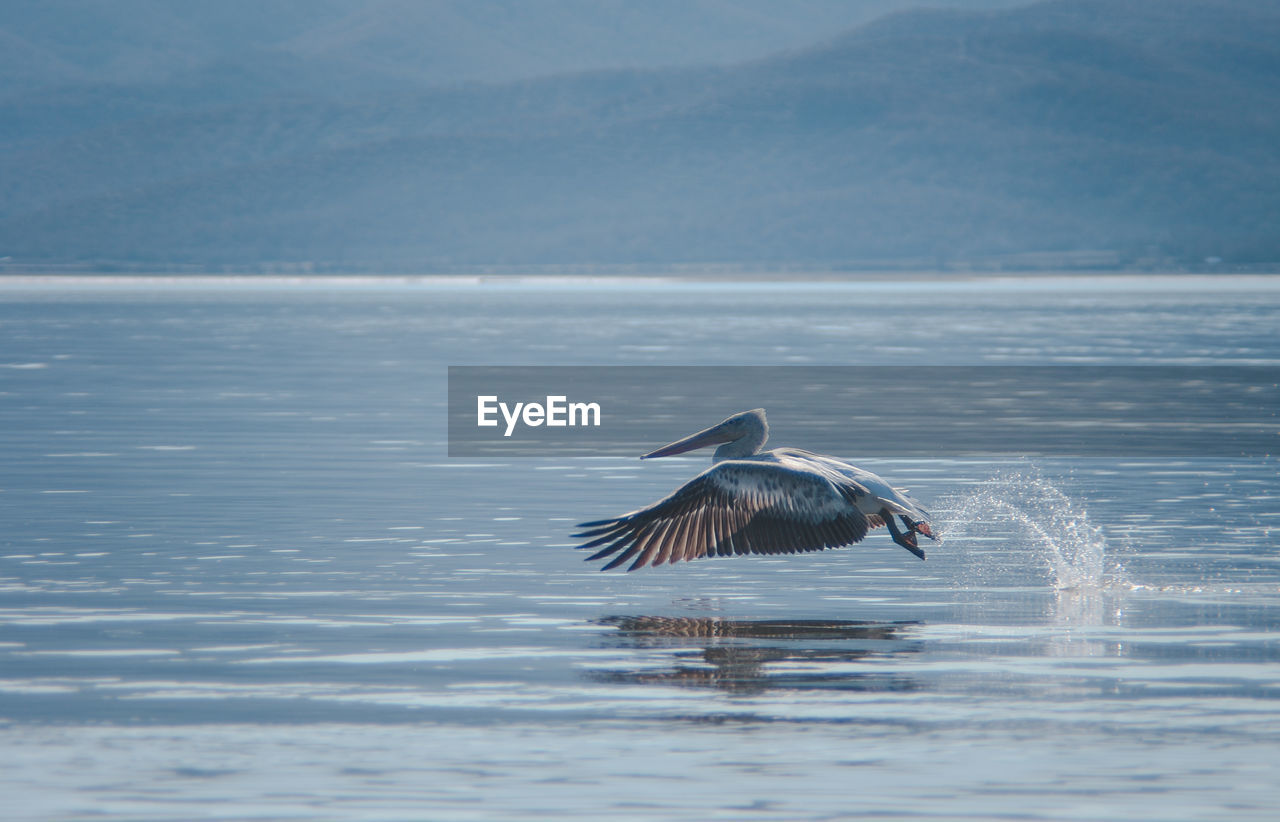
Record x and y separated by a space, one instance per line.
714 435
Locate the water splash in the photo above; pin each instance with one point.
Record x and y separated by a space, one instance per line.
1018 525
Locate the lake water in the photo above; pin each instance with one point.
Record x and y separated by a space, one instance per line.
241 579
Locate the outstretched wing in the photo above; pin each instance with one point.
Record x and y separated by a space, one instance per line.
735 507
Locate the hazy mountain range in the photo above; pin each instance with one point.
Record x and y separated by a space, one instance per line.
419 134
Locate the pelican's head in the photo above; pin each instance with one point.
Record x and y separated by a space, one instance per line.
738 436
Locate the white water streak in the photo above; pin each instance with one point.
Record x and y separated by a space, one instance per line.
1019 518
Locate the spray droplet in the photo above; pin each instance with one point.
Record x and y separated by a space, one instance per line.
1019 524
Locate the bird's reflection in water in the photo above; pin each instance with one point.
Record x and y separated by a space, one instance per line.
750 656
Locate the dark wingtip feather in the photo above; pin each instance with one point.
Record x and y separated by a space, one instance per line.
599 522
598 541
611 548
622 558
587 530
641 561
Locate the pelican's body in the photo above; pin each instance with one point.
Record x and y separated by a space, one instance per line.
752 501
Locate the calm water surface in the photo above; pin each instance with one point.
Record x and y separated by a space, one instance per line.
240 579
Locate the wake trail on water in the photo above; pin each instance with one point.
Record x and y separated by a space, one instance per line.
1018 526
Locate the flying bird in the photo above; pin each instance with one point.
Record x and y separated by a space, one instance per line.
756 502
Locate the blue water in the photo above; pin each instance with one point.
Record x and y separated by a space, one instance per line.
240 579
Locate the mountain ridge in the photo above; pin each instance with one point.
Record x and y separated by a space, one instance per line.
1061 127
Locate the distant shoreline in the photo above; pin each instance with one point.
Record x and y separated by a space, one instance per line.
918 285
1017 266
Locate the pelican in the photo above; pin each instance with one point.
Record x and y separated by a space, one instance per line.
756 502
